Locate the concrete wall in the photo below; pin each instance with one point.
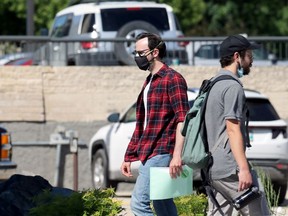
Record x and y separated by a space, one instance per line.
87 94
34 101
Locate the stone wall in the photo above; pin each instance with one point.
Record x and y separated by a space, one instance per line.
40 94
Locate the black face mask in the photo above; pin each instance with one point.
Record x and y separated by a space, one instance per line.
142 62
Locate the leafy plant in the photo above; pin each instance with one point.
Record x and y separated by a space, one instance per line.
192 205
272 196
90 202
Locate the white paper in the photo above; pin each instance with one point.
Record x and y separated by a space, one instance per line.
162 186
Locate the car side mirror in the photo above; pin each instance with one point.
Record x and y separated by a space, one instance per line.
114 117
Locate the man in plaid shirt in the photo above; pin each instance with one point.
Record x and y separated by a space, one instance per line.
157 140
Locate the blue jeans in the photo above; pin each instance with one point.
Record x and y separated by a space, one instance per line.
140 200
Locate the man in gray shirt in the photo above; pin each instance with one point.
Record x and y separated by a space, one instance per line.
225 117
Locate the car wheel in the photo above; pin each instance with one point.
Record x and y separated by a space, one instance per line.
100 171
281 188
123 50
71 62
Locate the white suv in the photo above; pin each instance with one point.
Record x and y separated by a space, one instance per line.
110 20
268 135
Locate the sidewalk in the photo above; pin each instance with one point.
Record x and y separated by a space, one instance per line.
123 194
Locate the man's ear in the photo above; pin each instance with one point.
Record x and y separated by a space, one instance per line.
236 55
156 52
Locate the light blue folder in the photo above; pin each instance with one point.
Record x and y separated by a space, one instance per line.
162 186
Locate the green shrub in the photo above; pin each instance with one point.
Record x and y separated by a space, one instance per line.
272 196
192 205
86 203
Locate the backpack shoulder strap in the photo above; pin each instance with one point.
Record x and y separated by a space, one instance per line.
221 77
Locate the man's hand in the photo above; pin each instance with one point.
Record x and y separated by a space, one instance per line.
175 167
126 169
245 180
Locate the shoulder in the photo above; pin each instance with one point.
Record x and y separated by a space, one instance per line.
228 84
227 89
170 73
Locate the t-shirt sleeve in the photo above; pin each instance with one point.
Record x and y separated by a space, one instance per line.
233 102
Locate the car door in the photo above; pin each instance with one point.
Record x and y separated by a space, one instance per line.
120 136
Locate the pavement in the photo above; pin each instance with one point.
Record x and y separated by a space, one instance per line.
123 194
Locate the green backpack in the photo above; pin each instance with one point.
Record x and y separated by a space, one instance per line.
195 153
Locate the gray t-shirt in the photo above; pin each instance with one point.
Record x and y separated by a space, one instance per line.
226 101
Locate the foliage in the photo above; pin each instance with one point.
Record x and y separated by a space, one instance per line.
14 14
196 17
272 196
192 205
189 12
86 203
251 17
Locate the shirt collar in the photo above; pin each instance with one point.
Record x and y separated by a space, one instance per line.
227 72
162 71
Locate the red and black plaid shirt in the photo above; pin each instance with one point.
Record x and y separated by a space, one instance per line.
167 104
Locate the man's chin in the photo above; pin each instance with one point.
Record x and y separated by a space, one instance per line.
246 71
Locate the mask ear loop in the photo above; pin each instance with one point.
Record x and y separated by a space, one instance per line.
160 43
239 63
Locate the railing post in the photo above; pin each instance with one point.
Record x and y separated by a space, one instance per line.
63 137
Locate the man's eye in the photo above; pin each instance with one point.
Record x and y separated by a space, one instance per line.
138 53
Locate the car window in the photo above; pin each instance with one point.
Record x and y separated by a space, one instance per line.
178 27
130 115
212 51
260 54
113 19
87 24
261 110
62 25
208 51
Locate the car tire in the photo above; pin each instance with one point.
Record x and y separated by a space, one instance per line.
123 50
282 189
100 178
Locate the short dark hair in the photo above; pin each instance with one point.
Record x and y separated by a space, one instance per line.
154 41
228 60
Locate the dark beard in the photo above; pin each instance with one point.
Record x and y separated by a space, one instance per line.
246 70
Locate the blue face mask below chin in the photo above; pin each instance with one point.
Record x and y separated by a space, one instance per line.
240 71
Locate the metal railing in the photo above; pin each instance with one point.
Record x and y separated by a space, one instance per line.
75 51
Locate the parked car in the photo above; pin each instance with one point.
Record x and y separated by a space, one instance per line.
208 53
20 62
268 135
110 20
7 166
9 58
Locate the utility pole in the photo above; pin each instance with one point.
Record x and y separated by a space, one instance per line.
29 17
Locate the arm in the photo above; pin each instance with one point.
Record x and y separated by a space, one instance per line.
179 101
236 143
175 167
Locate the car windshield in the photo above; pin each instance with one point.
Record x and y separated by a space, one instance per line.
114 19
261 110
130 115
62 25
